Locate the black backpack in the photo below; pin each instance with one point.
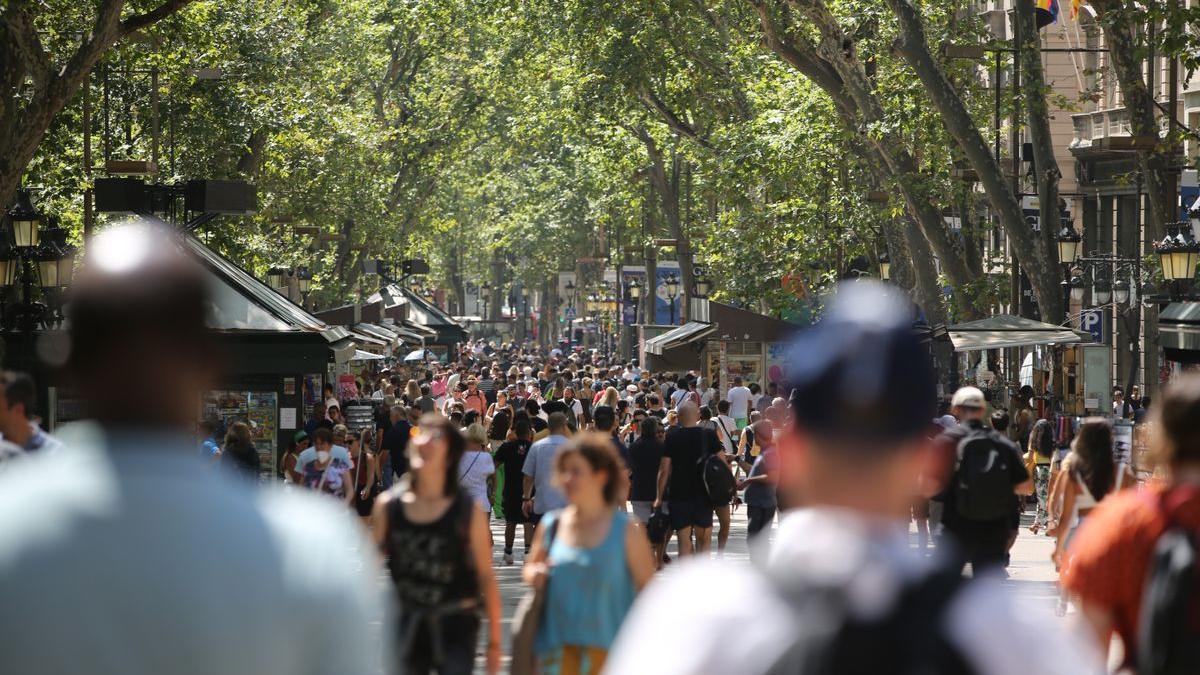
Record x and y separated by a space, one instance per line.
983 487
716 475
1169 625
905 641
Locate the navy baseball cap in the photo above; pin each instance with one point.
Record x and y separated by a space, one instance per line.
861 373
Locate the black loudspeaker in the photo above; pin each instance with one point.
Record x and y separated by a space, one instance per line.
220 196
121 195
1027 152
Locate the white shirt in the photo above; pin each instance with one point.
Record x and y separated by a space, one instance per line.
309 454
987 624
725 428
576 407
474 467
739 402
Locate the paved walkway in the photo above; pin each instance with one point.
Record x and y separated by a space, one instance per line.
1031 574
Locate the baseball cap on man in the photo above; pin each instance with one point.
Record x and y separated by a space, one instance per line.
968 397
861 373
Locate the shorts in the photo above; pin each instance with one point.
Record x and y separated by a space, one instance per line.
741 422
643 510
691 513
513 513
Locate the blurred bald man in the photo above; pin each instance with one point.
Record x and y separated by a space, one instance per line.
135 559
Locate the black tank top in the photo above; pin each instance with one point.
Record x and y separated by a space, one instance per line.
431 563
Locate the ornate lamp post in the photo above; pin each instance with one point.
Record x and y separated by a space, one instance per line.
672 286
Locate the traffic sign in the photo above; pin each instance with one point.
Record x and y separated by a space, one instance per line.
569 312
1092 321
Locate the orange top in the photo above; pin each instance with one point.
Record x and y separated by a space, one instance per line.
1110 555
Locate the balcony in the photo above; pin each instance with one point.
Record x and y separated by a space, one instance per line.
1091 128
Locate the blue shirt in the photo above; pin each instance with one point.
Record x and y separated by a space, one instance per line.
209 447
589 592
252 581
539 465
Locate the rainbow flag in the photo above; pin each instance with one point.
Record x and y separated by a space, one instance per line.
1045 12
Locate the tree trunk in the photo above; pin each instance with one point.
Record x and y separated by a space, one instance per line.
1119 33
1039 260
857 106
1033 90
667 186
23 58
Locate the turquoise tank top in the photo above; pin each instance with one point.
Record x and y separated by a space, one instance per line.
589 591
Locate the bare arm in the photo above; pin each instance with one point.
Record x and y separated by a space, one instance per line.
637 555
534 571
1064 528
379 520
664 472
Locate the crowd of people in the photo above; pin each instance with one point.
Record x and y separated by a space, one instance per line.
154 552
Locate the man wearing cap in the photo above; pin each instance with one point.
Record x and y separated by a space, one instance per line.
841 590
989 471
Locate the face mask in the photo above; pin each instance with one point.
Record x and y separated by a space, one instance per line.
322 456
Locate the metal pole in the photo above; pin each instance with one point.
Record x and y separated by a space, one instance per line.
154 123
88 216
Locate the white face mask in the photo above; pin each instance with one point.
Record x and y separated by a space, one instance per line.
322 456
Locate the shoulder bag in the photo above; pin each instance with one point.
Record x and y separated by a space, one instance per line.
527 619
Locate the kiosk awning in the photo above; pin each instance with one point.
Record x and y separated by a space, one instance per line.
677 337
1001 332
1179 330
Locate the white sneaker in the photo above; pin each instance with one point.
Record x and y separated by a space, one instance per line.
508 559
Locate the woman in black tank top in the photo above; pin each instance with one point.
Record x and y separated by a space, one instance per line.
438 551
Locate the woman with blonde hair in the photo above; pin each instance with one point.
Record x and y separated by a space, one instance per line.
412 392
610 398
592 556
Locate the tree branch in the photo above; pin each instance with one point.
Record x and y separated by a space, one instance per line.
140 21
656 105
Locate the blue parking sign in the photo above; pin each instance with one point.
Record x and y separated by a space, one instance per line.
1092 321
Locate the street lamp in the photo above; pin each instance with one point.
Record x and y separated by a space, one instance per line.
635 289
885 267
672 286
25 221
1077 288
1178 257
1069 243
1120 290
303 280
276 277
703 286
1101 291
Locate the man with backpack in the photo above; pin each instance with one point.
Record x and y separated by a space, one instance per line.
841 591
977 505
681 481
1133 562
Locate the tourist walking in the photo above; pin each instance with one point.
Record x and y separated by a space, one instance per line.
591 558
439 556
842 591
121 554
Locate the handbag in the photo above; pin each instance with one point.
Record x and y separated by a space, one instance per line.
1031 467
526 621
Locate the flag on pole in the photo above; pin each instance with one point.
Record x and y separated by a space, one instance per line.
1075 9
1045 12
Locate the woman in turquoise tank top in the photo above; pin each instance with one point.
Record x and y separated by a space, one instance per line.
592 558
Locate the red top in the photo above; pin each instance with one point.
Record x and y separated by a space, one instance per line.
1110 555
